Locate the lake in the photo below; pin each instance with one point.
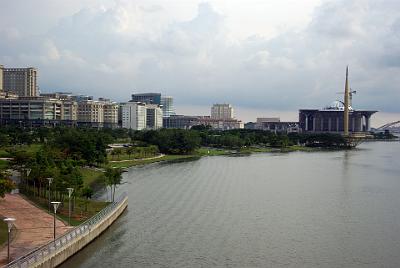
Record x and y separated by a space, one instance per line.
299 209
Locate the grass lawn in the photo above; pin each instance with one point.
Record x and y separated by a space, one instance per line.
212 152
90 176
133 162
3 232
84 209
31 149
3 164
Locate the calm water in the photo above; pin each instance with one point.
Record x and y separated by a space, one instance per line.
321 209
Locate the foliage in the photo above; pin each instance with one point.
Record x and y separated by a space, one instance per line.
171 141
112 178
6 184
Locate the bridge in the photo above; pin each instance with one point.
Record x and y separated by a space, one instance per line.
392 127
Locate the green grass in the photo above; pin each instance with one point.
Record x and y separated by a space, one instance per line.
3 164
90 176
80 214
212 152
3 232
31 149
138 162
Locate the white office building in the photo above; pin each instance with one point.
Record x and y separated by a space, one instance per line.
134 115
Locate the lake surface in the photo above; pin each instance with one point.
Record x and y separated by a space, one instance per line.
300 209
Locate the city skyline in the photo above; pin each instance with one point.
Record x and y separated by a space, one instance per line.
200 52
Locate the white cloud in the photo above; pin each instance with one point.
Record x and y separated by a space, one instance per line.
217 51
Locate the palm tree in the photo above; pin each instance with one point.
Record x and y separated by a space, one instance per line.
113 177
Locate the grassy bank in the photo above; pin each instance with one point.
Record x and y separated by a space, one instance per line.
205 152
91 176
81 209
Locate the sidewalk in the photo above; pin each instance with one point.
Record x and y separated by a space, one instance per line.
34 226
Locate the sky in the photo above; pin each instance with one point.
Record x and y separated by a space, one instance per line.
268 58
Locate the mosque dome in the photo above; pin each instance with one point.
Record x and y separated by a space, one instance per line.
337 106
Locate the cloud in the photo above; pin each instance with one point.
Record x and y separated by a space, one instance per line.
115 49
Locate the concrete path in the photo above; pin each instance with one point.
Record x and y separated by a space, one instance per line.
34 226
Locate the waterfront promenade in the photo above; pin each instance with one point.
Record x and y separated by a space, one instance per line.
34 227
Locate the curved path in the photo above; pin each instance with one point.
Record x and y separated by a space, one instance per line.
34 226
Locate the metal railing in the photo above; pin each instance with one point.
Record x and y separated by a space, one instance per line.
38 254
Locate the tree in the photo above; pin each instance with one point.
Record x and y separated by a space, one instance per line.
87 192
112 178
130 151
6 184
118 152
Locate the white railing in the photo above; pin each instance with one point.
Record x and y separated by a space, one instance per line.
38 254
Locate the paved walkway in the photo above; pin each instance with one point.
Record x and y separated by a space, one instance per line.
34 226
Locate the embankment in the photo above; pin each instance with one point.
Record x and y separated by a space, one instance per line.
56 252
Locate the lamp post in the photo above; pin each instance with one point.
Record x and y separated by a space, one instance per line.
70 190
9 222
55 206
50 181
28 171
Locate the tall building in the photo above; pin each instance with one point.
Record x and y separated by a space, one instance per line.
222 112
148 98
22 81
134 115
1 77
167 104
154 116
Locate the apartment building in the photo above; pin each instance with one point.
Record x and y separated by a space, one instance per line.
21 81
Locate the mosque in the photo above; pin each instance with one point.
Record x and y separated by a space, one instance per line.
333 118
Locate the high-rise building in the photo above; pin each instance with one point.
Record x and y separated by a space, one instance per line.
167 104
22 81
154 116
222 112
134 115
148 98
1 77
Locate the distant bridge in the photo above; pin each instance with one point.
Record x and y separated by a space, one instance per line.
393 126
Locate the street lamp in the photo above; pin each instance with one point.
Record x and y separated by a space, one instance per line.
55 206
28 171
9 222
70 190
50 180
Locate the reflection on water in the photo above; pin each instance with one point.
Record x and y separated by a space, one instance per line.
322 209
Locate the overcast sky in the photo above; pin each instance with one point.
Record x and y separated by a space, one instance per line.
265 57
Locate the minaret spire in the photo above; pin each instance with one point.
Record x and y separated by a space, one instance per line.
346 104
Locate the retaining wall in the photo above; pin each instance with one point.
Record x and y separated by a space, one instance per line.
55 253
